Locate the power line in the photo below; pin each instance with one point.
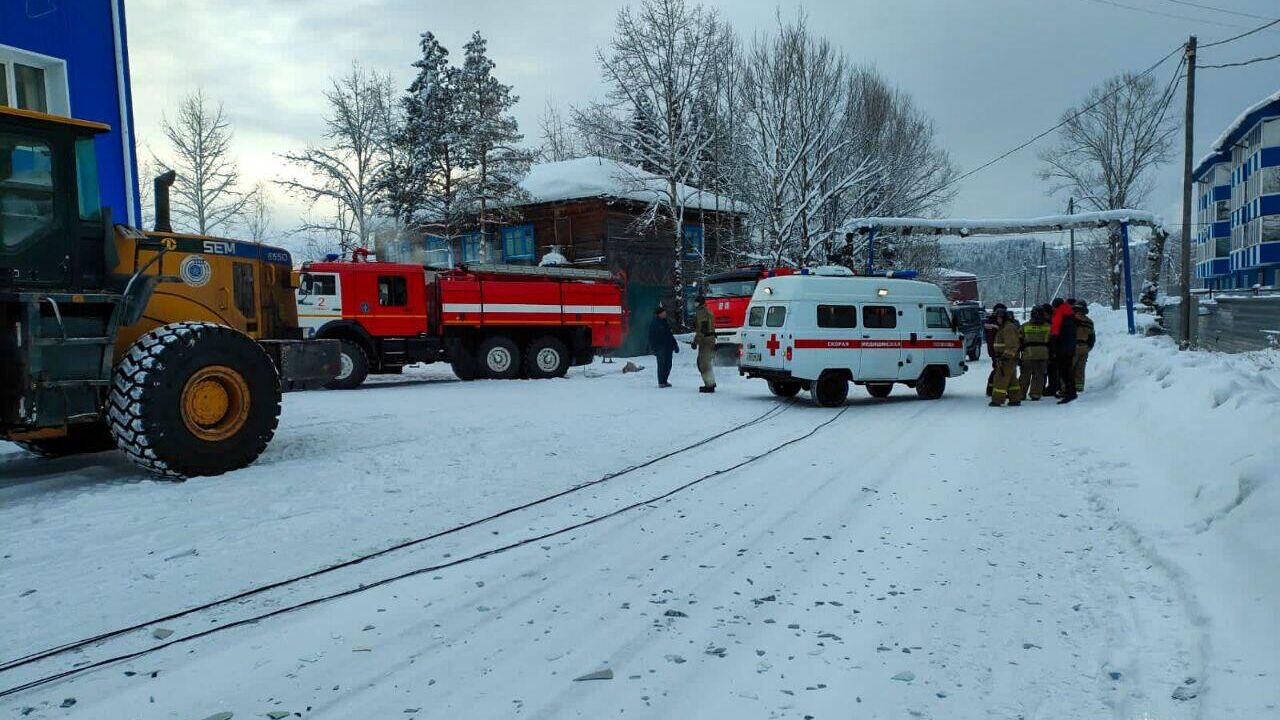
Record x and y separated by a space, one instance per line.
1064 121
1241 63
1260 28
1165 14
1218 9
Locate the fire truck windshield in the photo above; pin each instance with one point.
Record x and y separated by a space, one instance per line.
731 288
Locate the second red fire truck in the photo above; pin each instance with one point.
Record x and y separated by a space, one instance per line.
728 295
487 321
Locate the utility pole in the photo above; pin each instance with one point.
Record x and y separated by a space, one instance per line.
1189 142
1071 259
1024 292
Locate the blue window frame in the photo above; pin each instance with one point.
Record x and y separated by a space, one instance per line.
517 243
438 251
693 247
471 247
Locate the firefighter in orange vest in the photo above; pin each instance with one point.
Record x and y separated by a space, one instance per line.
1007 344
1035 354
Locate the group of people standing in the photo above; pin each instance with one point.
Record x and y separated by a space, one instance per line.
1045 356
662 342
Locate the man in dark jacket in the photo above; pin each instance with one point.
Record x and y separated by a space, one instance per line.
1062 334
1052 386
662 343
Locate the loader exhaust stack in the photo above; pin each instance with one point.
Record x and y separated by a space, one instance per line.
162 183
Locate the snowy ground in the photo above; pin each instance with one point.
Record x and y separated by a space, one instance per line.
1111 558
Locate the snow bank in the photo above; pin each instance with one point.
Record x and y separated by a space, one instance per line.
1201 427
591 177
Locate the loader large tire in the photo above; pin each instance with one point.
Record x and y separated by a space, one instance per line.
194 398
80 438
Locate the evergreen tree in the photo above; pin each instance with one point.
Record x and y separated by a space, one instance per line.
494 163
421 184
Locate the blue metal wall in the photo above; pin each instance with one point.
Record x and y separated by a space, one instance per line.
82 33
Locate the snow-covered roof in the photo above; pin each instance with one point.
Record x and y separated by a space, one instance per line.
956 274
965 227
592 177
1243 122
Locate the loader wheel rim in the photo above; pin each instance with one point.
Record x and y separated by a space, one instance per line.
499 359
215 403
548 359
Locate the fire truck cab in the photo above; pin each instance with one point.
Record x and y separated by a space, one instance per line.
728 294
822 331
486 321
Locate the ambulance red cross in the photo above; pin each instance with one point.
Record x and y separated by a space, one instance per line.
826 329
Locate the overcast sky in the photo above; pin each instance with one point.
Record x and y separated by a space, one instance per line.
991 73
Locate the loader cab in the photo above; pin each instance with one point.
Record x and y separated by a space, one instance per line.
53 230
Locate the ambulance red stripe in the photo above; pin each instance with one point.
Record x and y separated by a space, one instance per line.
810 344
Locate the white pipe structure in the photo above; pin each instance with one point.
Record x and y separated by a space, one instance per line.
966 227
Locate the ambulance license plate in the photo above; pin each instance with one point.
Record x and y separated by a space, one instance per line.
752 357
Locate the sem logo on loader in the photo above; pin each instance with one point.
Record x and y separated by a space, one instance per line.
194 271
219 247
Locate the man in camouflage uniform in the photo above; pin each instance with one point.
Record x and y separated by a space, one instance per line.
1004 385
1035 354
1085 339
704 339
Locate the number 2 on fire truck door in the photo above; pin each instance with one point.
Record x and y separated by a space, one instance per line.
881 342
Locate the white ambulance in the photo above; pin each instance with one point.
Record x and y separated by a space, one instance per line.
822 330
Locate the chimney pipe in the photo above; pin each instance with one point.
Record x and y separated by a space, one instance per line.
161 197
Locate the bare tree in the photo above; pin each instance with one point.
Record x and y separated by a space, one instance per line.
205 194
258 214
338 179
658 68
559 142
1107 151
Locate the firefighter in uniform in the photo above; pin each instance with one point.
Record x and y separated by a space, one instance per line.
1085 339
704 339
1035 354
989 327
1008 341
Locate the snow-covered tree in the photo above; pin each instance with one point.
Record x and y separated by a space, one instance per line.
1108 150
337 180
493 160
205 196
419 185
658 68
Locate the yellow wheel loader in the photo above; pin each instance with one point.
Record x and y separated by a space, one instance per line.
174 348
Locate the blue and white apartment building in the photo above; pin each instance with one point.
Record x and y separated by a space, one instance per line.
1238 203
70 57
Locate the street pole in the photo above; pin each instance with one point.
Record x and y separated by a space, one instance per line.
1024 292
1071 265
1188 143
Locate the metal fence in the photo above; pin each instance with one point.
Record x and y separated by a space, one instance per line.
1230 322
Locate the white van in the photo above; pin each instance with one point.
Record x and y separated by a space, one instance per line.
823 330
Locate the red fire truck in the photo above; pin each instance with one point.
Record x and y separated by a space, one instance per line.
728 294
487 321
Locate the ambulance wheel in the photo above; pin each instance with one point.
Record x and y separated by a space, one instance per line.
353 367
499 358
879 390
830 389
194 398
784 388
547 357
931 384
80 438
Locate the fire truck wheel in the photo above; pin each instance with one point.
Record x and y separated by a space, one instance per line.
547 358
784 388
80 438
830 389
879 390
194 398
499 358
354 367
931 384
